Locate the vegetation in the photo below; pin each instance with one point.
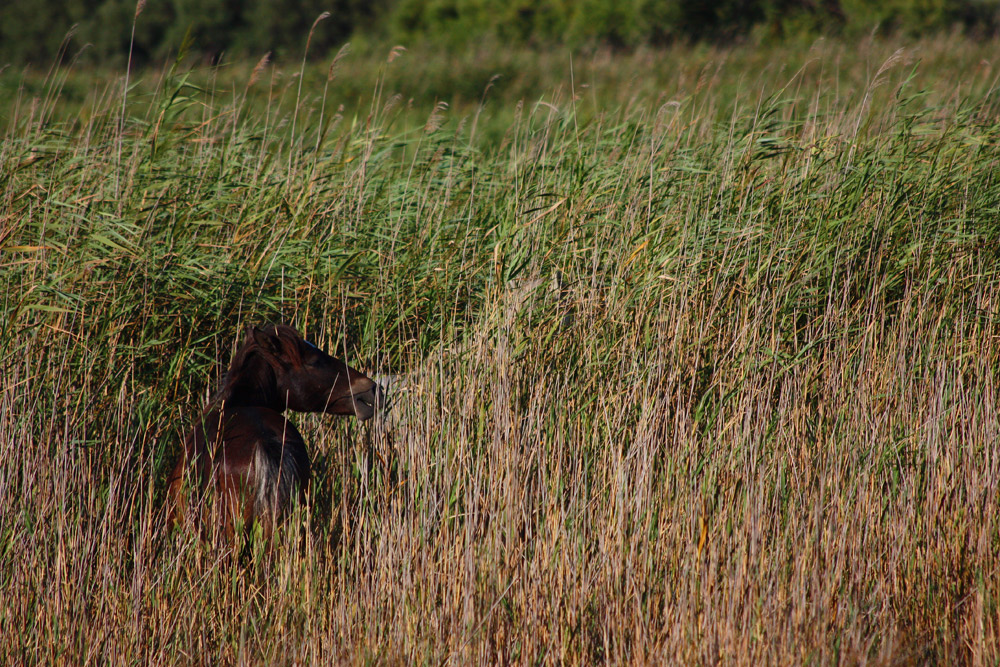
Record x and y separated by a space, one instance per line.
32 30
699 348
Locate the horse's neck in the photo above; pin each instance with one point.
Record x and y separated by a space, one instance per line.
248 384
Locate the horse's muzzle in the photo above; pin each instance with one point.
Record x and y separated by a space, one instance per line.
368 402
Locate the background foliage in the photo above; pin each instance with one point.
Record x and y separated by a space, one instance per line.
32 30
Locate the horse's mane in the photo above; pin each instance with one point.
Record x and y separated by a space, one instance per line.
250 376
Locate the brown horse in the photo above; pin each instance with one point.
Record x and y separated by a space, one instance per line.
244 450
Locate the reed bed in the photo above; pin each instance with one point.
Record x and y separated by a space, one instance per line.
696 352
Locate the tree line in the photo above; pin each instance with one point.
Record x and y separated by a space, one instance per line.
35 31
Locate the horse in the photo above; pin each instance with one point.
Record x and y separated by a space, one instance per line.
243 449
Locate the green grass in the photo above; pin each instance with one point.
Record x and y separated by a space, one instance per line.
701 355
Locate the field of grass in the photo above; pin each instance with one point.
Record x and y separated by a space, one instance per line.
700 354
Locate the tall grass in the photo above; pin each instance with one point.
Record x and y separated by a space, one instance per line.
699 364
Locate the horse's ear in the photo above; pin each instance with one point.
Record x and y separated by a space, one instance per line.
266 340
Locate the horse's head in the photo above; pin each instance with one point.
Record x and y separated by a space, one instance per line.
286 371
